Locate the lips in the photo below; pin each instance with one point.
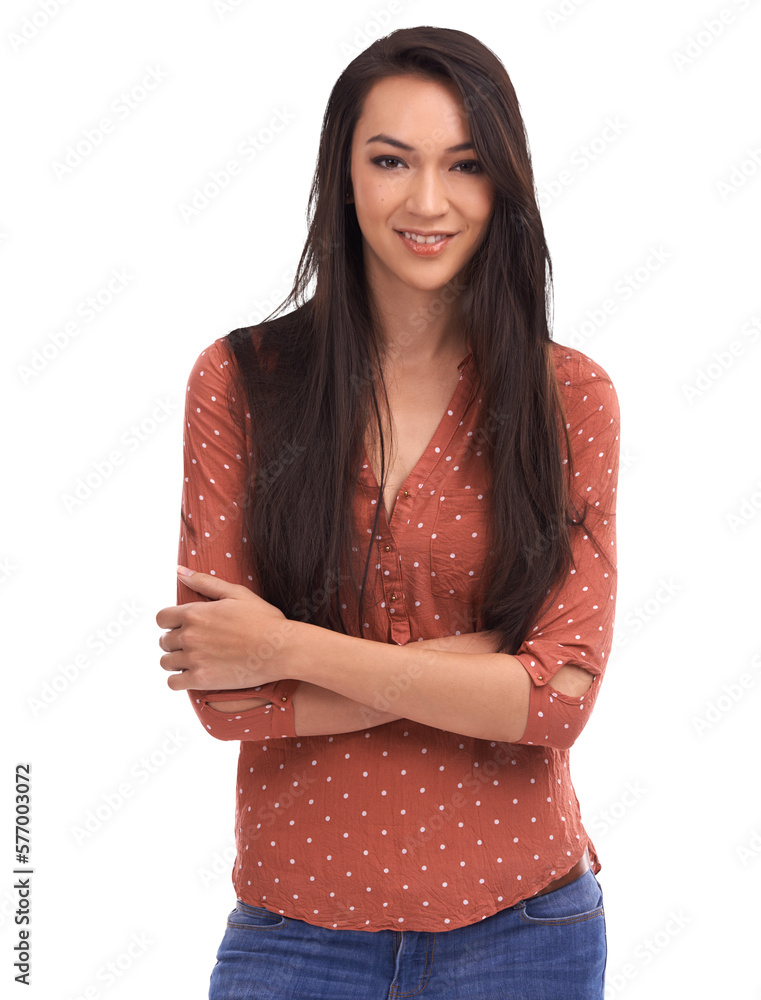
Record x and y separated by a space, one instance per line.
426 249
423 237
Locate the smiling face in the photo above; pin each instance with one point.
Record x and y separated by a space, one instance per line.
422 203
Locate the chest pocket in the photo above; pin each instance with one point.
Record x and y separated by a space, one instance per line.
458 543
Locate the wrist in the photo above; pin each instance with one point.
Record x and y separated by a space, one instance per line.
302 650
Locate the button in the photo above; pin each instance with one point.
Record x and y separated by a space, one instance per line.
393 597
405 493
284 697
386 548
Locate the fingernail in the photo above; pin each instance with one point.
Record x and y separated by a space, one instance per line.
184 571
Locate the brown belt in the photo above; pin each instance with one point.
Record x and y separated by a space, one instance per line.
581 866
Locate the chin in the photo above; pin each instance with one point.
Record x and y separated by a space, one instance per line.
432 282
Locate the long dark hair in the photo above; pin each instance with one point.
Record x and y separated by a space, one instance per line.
309 376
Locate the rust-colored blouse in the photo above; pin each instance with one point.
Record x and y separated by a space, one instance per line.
404 826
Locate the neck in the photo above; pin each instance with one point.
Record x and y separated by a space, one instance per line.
420 327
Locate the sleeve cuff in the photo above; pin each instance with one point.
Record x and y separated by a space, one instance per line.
273 721
555 719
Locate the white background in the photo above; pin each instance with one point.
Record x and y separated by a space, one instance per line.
671 802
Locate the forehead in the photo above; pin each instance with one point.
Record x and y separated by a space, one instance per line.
413 108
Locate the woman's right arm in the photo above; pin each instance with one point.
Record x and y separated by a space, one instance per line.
320 712
214 497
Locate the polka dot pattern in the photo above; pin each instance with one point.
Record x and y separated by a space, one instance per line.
403 826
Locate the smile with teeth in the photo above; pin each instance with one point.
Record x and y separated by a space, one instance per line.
437 238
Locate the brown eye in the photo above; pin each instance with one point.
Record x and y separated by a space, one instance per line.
382 161
472 165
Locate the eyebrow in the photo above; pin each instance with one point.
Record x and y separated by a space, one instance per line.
389 140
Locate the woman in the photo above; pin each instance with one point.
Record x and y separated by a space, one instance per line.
397 586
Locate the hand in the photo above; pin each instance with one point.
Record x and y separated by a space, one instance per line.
237 640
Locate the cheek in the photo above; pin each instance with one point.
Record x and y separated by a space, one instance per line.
367 196
372 203
483 205
485 210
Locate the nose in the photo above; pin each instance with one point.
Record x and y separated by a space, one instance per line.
426 195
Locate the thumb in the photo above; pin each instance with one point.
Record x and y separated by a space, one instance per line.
206 584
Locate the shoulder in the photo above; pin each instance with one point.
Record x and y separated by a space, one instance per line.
213 359
212 387
585 386
215 414
218 364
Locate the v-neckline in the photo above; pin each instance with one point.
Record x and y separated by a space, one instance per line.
428 459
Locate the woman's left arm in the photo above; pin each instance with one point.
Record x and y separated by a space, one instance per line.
544 694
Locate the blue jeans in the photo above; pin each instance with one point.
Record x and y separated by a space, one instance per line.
551 947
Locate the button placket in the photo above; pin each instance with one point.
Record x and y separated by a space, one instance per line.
392 586
389 564
393 590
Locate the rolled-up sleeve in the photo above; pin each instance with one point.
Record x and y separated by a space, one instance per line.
577 628
216 453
